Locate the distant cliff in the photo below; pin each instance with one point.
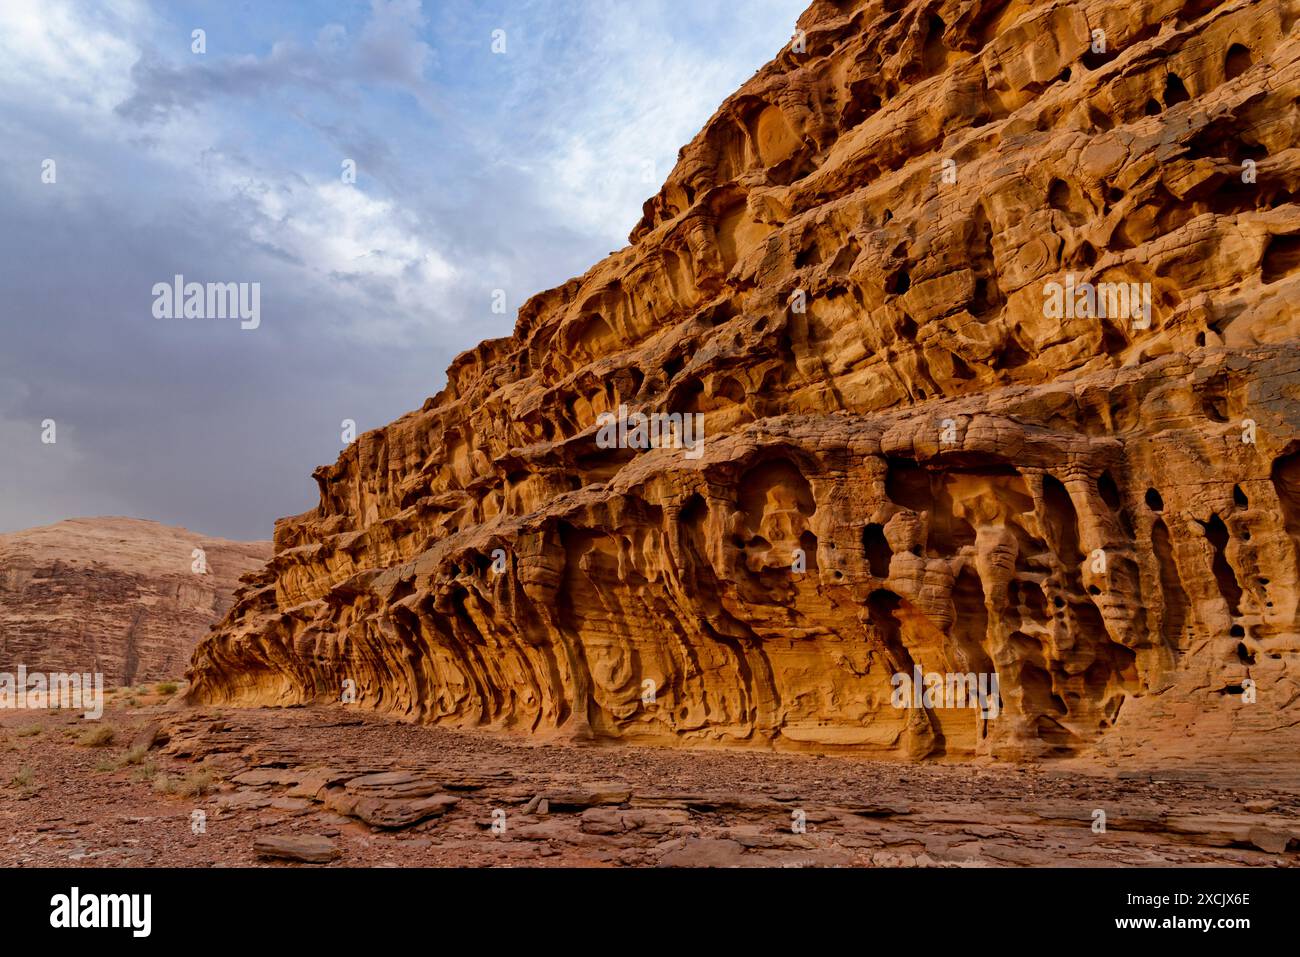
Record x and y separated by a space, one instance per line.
116 595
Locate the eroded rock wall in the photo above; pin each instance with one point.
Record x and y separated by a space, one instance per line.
847 274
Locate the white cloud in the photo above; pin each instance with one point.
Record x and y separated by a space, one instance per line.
338 232
71 57
614 139
77 63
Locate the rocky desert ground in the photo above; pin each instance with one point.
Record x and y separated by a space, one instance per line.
336 786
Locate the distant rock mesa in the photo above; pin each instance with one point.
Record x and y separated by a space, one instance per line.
848 275
115 595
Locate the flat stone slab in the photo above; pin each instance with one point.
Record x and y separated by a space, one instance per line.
705 852
568 799
395 784
308 848
265 777
391 814
603 820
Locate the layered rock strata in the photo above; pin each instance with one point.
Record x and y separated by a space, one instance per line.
120 596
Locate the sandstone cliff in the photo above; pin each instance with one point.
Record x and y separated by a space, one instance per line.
116 595
849 275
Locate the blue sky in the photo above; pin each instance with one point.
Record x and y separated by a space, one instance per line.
476 171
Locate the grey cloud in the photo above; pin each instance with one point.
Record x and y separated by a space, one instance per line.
388 51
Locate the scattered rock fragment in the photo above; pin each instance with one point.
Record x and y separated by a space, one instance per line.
307 848
572 799
149 736
705 852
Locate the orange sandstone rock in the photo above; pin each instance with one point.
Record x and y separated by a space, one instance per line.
991 313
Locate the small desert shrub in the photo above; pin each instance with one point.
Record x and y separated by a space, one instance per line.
23 779
196 784
126 759
132 703
100 737
167 687
147 772
29 731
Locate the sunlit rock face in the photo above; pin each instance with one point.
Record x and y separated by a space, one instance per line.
991 312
